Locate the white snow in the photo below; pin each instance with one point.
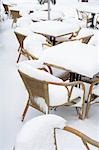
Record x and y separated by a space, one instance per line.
13 97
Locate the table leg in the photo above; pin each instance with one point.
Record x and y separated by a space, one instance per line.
93 15
72 76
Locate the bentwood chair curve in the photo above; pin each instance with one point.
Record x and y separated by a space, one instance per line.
50 132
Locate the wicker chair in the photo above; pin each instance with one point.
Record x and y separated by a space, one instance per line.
84 17
93 94
6 8
84 35
50 132
15 15
47 91
20 38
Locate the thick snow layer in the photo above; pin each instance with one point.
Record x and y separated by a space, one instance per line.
38 133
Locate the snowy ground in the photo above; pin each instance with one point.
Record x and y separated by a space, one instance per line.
13 97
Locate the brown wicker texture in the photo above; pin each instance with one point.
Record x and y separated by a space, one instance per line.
37 88
20 38
15 15
91 97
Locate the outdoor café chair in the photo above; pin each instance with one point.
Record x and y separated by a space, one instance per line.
21 33
84 17
15 14
33 42
84 35
47 91
6 9
51 132
34 46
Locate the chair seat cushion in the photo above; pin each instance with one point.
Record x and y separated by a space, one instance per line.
38 133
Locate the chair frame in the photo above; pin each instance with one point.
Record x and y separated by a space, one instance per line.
91 97
85 139
38 88
15 14
84 16
20 38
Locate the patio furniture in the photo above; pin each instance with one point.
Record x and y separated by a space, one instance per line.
51 132
54 29
84 35
47 91
15 14
43 15
6 8
89 8
21 33
79 62
84 17
34 46
93 94
20 38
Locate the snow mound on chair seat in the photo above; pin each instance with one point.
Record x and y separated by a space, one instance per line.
38 133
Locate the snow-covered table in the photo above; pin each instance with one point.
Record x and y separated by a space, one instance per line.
54 29
43 15
89 8
75 56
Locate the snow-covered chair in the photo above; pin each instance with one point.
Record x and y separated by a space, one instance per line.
30 44
34 45
47 91
24 21
51 132
84 35
84 17
21 33
15 14
93 94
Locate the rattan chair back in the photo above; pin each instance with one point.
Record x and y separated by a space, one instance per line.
35 88
20 38
6 8
15 14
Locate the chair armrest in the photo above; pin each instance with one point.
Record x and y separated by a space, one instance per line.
86 139
96 81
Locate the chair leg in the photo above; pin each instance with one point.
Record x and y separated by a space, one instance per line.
19 48
25 110
87 110
19 57
81 113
